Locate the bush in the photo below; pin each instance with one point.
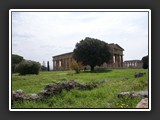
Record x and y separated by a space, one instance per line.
145 62
43 68
28 67
77 66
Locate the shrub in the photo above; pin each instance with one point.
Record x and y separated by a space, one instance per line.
145 62
77 66
43 68
28 67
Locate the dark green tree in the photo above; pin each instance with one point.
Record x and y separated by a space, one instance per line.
145 62
16 59
48 68
92 52
28 67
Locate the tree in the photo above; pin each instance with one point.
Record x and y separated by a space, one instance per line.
92 52
28 67
16 59
145 62
48 66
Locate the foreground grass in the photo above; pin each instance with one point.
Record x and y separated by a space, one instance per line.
105 96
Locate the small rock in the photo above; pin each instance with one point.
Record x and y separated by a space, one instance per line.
48 86
41 93
18 95
122 94
141 94
143 103
139 74
104 81
33 96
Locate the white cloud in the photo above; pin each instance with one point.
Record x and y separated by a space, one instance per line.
41 35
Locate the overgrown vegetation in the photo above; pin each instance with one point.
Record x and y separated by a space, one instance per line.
104 96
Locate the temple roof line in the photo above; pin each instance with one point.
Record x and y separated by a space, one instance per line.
111 44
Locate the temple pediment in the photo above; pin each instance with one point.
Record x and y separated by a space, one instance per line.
116 46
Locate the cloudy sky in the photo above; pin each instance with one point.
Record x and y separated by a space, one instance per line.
40 35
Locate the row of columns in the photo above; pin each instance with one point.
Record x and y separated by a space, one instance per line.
136 64
117 60
61 64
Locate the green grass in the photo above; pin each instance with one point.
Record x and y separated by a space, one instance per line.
105 96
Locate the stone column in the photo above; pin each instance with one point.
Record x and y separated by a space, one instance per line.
118 61
57 64
120 65
134 64
63 63
64 60
122 60
54 64
67 63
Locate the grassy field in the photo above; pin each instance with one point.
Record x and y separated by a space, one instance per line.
105 96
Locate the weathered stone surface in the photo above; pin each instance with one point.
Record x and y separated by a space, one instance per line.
42 93
139 94
122 94
19 95
103 81
33 96
48 86
143 103
139 74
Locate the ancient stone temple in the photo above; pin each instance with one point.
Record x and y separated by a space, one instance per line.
133 64
61 62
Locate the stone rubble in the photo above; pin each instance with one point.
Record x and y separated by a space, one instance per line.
139 94
52 89
143 103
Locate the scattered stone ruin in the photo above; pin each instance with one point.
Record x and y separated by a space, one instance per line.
139 94
52 89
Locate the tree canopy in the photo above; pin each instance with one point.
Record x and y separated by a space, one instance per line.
16 59
92 52
145 62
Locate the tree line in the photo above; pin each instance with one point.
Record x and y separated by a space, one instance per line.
23 66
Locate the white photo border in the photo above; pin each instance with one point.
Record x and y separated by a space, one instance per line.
79 10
